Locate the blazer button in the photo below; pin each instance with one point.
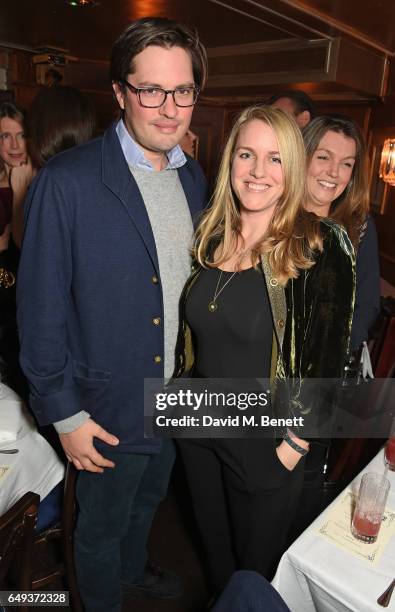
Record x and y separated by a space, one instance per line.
157 359
155 280
156 320
273 282
280 323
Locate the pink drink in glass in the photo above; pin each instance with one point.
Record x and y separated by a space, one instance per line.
366 527
369 510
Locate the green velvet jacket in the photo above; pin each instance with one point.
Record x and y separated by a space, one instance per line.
312 319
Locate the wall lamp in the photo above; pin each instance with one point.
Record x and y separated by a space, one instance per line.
387 164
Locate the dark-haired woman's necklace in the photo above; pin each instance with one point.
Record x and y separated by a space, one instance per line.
212 306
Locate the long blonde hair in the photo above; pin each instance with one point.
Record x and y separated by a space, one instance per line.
292 234
351 208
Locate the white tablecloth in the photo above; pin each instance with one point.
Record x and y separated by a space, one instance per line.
36 467
316 576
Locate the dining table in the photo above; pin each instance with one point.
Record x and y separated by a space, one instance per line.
27 461
316 575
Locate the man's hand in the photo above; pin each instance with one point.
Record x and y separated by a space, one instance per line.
78 447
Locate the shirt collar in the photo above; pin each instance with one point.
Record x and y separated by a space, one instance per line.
134 154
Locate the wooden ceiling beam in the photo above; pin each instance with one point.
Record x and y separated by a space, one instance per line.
338 61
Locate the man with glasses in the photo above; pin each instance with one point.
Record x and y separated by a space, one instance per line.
104 260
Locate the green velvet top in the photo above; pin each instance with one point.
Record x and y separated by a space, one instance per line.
312 323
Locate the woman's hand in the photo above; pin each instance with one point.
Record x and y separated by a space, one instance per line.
5 238
288 456
20 178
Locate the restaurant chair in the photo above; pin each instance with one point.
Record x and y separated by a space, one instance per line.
17 535
63 531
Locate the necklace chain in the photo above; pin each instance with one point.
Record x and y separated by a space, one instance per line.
212 306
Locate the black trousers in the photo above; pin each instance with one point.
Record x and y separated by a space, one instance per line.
244 501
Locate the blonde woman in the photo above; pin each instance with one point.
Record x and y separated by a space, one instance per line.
256 251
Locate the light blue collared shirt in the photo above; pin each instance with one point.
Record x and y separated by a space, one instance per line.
135 157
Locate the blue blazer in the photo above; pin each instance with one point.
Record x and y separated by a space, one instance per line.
89 288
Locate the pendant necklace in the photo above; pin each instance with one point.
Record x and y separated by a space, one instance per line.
212 306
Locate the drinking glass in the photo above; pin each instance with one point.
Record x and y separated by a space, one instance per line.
369 510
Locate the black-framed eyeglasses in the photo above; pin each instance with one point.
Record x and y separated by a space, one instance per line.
154 97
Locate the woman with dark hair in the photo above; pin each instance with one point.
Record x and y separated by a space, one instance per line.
13 160
12 154
60 118
337 187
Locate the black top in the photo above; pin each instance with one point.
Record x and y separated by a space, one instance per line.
234 341
367 295
5 207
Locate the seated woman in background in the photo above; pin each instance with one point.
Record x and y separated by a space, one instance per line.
12 154
337 187
263 267
13 161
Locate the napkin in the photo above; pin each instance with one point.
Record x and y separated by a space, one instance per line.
11 420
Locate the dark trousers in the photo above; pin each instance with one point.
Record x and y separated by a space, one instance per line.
312 498
244 500
116 509
248 591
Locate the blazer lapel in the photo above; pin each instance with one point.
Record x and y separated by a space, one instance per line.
192 194
117 177
277 300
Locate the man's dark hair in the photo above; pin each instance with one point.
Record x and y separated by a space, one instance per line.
302 101
162 33
59 118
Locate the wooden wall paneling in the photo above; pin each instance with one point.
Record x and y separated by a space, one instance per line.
385 225
359 112
208 124
360 68
384 113
106 107
25 94
21 69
